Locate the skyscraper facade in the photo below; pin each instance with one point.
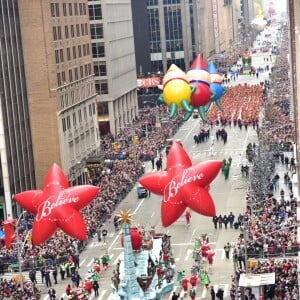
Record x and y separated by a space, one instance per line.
16 155
114 63
178 30
60 85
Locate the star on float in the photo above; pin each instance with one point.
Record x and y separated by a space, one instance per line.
125 217
57 206
183 185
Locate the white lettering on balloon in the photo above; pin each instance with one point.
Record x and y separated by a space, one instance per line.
172 189
45 208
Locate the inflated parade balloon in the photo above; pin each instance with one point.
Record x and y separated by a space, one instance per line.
216 88
199 77
177 91
182 185
57 206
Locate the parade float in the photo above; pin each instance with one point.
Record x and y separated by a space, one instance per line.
247 63
146 268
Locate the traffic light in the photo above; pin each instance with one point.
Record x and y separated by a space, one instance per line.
9 231
114 146
135 138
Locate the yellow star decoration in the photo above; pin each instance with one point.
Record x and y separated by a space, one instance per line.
125 217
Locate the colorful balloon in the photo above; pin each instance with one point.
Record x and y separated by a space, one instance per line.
216 88
199 77
57 206
176 91
182 185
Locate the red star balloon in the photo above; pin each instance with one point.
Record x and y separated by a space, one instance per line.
57 206
182 185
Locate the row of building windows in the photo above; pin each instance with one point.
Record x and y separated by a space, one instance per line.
75 94
77 118
81 30
79 73
68 9
72 53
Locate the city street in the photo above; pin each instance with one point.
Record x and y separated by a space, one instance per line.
228 195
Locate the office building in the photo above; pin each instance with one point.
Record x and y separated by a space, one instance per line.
114 63
60 85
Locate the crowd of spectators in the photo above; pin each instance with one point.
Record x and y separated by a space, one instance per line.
268 242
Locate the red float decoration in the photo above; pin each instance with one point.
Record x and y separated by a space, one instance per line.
182 185
136 239
57 206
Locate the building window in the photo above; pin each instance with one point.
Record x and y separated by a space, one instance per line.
86 29
66 99
77 30
89 69
68 54
54 33
79 51
80 9
98 49
66 31
84 114
76 9
74 52
101 87
84 8
64 9
76 73
79 116
70 75
52 9
74 119
90 110
68 122
70 9
58 77
81 72
95 12
59 32
84 49
86 70
63 123
96 31
82 29
56 53
72 31
57 9
88 49
61 55
100 69
63 77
